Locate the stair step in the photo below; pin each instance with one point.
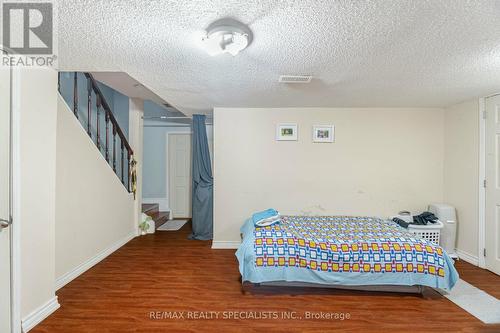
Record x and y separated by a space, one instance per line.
153 210
150 209
160 218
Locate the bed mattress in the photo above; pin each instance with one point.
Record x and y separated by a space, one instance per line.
342 250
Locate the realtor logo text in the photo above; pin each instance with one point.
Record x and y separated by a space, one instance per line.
28 33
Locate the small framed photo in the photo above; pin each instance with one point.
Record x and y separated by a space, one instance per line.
323 133
286 132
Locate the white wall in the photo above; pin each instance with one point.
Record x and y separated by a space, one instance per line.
461 171
383 161
35 107
136 137
94 211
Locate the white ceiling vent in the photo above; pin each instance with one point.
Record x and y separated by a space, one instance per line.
295 78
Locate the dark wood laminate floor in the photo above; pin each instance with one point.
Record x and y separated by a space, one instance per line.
166 272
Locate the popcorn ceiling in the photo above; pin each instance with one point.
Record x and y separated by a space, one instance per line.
361 53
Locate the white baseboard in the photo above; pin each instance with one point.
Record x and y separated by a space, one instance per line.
40 314
162 203
465 256
80 269
225 244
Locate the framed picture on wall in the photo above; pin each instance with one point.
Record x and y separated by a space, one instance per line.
323 133
286 132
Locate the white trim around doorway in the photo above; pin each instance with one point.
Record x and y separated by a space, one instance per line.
482 182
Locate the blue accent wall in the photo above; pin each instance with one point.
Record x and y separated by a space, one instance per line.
154 165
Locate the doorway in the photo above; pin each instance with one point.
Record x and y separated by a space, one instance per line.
5 201
492 208
179 174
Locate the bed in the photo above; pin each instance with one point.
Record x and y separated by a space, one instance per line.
342 251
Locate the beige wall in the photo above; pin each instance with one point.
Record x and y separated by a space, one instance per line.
94 211
383 161
461 171
35 103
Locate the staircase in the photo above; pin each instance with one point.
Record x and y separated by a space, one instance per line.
153 210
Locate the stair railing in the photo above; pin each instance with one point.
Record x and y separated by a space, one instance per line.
111 130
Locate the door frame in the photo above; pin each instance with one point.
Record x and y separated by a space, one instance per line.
167 174
16 323
482 181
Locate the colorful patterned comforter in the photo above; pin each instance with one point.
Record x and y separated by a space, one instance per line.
342 250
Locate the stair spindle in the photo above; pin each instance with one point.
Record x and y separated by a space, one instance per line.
98 126
75 95
114 148
121 166
89 107
128 170
106 117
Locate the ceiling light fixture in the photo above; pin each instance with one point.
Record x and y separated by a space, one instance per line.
226 39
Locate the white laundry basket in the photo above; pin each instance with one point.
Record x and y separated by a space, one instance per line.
430 232
448 215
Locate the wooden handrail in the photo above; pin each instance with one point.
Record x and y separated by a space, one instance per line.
110 114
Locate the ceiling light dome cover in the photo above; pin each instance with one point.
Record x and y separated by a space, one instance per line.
226 39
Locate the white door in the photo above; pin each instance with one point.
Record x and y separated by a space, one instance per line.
5 230
492 227
179 174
